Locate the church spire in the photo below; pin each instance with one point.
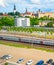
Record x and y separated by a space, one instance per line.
26 10
14 9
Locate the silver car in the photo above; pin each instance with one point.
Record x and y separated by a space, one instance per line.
29 62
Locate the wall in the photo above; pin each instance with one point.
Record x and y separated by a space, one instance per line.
22 22
48 14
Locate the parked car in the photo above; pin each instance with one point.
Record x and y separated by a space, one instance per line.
20 60
52 63
49 61
29 62
44 64
6 57
40 62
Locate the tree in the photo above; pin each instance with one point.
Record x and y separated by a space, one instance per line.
34 21
12 14
50 24
1 13
44 18
17 14
6 21
6 63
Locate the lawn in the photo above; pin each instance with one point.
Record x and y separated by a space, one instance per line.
20 45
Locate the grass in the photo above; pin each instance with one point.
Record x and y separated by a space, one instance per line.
15 45
43 36
20 45
44 49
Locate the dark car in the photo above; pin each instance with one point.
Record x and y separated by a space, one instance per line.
40 62
20 60
44 64
49 61
52 63
6 57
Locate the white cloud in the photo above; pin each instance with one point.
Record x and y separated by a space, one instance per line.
52 0
11 1
2 3
31 4
35 1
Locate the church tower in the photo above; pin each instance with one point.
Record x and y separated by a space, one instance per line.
26 10
14 9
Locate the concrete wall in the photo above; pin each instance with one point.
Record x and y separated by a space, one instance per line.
12 63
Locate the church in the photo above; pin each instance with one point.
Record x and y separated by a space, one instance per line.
21 21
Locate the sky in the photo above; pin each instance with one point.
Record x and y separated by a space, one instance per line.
31 5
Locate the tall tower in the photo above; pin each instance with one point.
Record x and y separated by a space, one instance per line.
39 10
26 10
14 9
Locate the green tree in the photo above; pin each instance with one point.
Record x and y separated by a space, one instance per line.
7 21
6 63
50 24
1 13
17 14
34 21
12 14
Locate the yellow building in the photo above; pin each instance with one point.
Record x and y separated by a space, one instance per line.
48 14
44 23
40 14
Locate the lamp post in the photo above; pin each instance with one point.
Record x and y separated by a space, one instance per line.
45 34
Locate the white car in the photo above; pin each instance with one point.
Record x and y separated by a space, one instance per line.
29 62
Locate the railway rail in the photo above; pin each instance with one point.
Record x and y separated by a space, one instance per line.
29 44
25 38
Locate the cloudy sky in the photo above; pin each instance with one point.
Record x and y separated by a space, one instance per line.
31 5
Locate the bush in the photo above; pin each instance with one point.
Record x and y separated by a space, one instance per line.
6 63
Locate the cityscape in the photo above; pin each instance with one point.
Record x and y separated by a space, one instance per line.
26 32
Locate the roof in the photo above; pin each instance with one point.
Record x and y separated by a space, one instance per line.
5 15
29 13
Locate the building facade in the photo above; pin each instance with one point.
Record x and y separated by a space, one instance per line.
22 22
40 14
27 14
44 23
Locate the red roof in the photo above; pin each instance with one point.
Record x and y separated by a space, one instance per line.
5 15
29 13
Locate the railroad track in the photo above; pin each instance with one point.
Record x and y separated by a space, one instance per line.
32 45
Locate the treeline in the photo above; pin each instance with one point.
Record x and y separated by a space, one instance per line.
7 21
28 29
12 13
35 21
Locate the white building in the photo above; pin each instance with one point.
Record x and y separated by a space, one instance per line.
19 21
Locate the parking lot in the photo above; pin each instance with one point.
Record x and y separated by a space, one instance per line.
27 54
2 61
